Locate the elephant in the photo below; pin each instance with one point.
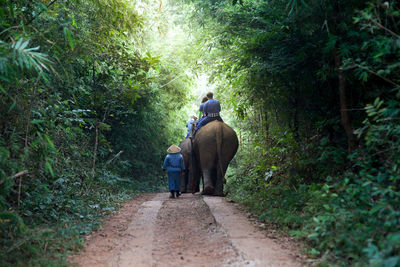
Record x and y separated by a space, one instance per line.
186 151
214 146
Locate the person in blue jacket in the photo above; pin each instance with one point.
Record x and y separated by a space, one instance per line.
189 125
174 165
211 109
201 108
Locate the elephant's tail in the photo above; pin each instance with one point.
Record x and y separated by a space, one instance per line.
219 139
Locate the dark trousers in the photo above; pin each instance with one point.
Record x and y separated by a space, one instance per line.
203 121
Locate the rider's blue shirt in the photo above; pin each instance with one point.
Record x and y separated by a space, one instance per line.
201 109
212 106
189 125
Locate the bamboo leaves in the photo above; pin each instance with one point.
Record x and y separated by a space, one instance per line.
68 38
20 57
29 58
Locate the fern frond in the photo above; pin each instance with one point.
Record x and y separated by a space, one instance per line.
28 58
4 66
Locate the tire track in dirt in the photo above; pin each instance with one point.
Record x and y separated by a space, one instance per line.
103 246
249 241
187 234
156 231
138 250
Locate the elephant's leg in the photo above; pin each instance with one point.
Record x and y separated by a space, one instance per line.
208 182
219 187
198 184
185 187
187 180
194 179
191 180
183 182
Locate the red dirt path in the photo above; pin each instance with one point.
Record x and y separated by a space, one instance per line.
153 230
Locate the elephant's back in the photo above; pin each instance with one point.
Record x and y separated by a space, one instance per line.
185 146
216 129
227 131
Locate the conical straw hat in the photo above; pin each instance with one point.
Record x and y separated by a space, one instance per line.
174 149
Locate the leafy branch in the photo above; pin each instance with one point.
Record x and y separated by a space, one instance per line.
19 56
355 65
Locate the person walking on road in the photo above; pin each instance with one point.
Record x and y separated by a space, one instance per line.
174 165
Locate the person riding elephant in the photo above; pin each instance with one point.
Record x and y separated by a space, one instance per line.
211 109
214 146
189 125
201 108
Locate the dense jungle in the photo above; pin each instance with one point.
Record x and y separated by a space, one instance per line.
93 92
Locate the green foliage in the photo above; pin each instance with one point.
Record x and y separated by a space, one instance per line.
60 213
18 57
287 70
350 218
78 85
84 81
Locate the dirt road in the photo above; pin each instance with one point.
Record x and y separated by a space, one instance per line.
192 230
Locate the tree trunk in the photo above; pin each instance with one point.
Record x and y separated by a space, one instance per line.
296 114
266 126
346 122
260 118
28 123
96 141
